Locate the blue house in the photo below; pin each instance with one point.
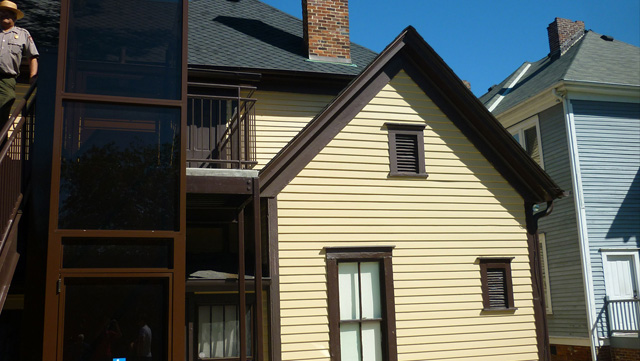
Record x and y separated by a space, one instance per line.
576 111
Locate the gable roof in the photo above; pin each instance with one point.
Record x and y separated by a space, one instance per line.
412 54
591 60
251 35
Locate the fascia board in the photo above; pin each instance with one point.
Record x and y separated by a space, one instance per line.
602 92
530 107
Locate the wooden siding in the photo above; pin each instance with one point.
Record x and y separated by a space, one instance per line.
569 318
279 117
439 226
609 154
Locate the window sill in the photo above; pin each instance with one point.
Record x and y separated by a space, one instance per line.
499 310
408 175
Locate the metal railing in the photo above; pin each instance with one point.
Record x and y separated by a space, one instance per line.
16 145
221 127
623 316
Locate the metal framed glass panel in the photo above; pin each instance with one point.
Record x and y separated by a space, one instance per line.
117 253
116 318
113 50
120 167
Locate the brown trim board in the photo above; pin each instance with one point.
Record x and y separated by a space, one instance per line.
274 273
411 53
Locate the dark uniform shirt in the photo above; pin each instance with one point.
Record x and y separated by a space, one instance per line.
14 44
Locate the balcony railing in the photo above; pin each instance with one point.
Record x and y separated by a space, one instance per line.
623 316
221 126
16 145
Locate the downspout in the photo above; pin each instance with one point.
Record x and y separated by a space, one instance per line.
537 288
581 217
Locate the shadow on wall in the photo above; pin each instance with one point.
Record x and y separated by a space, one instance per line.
626 224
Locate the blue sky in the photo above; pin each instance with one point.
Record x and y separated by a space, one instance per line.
482 41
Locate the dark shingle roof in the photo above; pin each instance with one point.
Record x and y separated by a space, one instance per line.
592 59
249 34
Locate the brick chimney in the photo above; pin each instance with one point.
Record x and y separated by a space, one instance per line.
326 30
563 33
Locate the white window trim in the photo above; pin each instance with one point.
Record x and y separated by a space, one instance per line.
622 252
547 295
519 129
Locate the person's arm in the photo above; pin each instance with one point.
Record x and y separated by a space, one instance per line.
33 68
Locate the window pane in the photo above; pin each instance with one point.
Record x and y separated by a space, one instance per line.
350 342
204 332
231 340
217 331
370 278
517 137
113 50
371 341
103 317
120 167
348 291
531 143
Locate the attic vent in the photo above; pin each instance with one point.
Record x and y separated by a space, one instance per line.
407 153
607 37
406 150
497 285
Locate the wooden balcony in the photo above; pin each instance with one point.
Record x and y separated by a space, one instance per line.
221 126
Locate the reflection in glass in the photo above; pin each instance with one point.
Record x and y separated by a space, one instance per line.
125 48
120 167
116 253
113 318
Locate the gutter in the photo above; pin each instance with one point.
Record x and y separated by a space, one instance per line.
581 217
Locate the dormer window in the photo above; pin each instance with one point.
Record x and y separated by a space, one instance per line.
406 150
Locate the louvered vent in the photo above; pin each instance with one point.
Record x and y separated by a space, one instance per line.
407 153
497 284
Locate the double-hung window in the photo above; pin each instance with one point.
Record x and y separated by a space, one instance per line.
527 133
361 305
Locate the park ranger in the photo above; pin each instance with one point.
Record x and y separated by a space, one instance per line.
15 43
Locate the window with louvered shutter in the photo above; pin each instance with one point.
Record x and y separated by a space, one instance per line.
497 288
406 150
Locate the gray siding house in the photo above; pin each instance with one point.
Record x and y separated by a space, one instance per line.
577 113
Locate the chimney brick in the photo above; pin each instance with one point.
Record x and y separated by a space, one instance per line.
326 30
563 33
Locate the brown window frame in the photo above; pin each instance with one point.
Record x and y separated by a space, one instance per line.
413 130
503 263
381 254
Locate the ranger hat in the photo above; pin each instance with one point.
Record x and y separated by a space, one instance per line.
11 6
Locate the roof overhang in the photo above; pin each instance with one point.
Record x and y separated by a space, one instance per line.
574 90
